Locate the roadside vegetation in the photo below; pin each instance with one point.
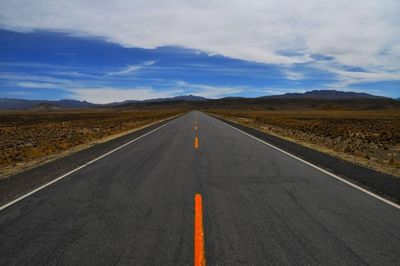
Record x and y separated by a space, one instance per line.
31 137
370 137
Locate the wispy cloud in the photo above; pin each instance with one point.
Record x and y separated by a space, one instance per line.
209 91
73 74
37 85
132 68
18 79
345 77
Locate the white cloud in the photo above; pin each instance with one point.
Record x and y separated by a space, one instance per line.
357 32
108 95
36 85
133 68
279 91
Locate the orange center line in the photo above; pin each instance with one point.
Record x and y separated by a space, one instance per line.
199 257
196 142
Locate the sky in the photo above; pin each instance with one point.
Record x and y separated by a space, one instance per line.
107 51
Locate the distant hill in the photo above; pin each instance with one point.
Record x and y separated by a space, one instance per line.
127 102
325 94
7 103
189 98
316 100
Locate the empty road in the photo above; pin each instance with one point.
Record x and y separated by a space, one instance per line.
135 206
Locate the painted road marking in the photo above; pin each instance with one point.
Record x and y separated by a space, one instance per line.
199 254
79 168
196 139
317 167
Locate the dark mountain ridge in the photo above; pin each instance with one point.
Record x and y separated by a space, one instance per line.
311 99
325 94
189 98
9 103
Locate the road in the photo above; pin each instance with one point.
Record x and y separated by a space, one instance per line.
135 206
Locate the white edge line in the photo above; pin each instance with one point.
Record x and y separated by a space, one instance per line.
79 168
318 168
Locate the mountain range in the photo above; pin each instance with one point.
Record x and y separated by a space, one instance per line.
325 95
7 103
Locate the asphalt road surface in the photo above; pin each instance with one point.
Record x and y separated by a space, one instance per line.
135 206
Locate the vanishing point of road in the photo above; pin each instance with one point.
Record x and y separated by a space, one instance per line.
255 205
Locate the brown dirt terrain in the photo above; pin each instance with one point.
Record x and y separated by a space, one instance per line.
29 138
370 138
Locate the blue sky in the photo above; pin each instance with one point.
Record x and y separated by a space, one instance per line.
114 52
